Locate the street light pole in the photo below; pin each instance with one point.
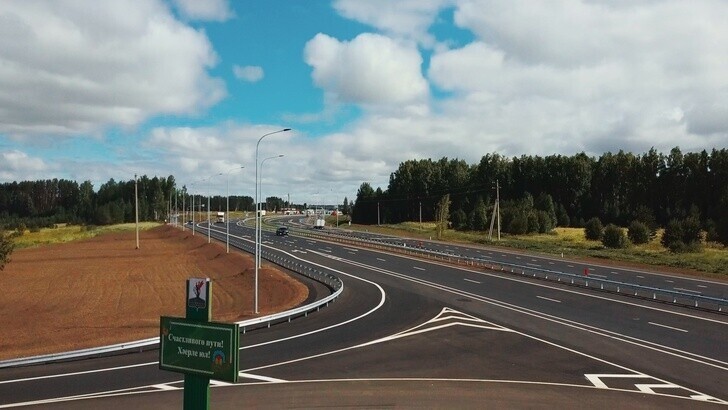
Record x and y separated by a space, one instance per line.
227 213
209 226
136 210
257 215
259 229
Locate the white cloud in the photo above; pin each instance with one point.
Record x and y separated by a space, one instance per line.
77 68
17 165
403 18
204 10
250 73
370 69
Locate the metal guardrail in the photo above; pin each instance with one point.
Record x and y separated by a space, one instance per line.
607 285
333 282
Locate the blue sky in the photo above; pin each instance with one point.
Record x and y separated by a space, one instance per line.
98 90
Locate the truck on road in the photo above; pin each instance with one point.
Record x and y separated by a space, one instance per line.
221 217
320 223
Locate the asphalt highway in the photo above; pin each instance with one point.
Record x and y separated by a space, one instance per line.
411 332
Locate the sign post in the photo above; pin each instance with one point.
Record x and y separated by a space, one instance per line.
197 347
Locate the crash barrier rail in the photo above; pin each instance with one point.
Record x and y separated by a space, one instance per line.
685 299
333 282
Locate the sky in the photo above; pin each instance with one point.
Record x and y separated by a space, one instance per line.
93 90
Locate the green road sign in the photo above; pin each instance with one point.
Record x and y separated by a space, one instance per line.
208 349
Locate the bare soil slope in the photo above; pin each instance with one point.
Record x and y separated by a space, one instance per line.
102 291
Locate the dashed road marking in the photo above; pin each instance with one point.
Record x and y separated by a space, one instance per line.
418 268
472 281
688 290
549 299
668 327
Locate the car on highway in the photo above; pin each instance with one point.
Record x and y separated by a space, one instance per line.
282 231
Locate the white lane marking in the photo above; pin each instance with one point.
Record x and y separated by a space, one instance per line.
701 286
472 281
668 327
352 249
325 250
533 264
571 266
351 253
688 290
597 276
166 387
669 281
566 322
518 257
614 273
545 298
117 393
259 377
367 313
641 277
381 260
53 376
551 263
418 268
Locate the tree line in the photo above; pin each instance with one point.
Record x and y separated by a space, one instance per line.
43 203
538 193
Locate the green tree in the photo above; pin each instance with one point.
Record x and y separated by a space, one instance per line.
545 222
638 232
6 248
593 229
682 235
614 237
459 220
562 217
478 220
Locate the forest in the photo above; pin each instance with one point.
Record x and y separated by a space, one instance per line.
45 203
538 193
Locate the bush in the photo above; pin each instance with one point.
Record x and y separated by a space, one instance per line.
593 229
459 220
614 237
638 232
682 236
532 221
562 217
518 225
545 223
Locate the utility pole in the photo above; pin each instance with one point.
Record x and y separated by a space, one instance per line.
420 214
496 212
377 213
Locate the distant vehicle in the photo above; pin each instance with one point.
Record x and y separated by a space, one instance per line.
320 223
282 231
221 217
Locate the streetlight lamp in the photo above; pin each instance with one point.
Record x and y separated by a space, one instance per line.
257 214
259 229
227 214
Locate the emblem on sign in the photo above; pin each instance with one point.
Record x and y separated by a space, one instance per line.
197 294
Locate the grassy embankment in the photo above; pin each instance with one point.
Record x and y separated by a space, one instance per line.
67 233
712 261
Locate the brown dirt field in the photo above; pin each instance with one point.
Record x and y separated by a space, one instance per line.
102 291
